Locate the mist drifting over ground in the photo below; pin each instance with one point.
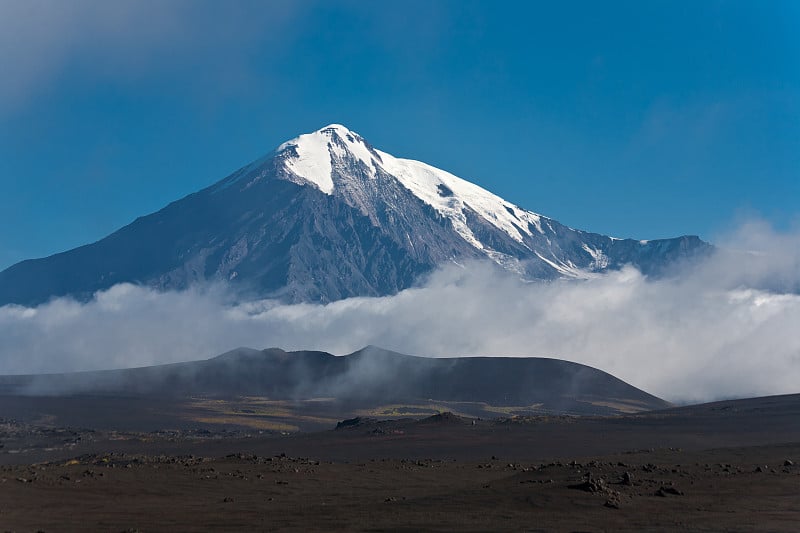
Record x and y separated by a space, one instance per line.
725 328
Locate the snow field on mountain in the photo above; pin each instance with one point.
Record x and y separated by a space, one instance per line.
448 194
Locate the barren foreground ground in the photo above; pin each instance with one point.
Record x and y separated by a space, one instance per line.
731 466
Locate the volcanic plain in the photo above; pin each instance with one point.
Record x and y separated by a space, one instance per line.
81 460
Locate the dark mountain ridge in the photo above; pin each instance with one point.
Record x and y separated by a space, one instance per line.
366 378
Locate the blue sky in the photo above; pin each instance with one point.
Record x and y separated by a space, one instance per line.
634 119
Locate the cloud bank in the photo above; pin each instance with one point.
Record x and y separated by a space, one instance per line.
727 328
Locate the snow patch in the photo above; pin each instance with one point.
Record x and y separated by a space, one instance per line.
569 271
309 158
353 143
599 259
426 181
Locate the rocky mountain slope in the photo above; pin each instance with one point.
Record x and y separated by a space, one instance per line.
326 216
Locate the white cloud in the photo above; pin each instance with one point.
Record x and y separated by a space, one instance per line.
727 329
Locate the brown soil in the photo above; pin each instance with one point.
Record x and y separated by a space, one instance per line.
722 467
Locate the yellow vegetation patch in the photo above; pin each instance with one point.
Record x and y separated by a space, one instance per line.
407 410
248 411
255 423
240 408
513 410
623 406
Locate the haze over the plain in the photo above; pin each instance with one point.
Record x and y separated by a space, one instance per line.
724 329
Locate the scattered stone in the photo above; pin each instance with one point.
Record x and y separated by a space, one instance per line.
612 503
664 491
627 479
591 485
761 469
227 499
788 462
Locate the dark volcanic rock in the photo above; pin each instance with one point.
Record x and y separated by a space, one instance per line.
592 484
612 503
356 422
446 418
665 491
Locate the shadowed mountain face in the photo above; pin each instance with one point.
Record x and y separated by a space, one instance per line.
326 216
366 379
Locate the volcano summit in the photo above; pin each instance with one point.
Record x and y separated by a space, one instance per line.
326 216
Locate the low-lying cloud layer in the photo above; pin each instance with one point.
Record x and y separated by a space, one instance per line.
728 328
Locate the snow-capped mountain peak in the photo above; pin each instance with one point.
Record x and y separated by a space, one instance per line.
312 158
326 216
